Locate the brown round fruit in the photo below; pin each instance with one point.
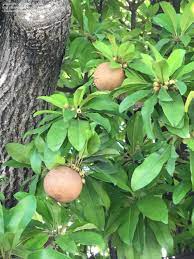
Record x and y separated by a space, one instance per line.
107 78
63 184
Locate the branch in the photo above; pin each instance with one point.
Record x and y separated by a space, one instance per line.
112 250
133 6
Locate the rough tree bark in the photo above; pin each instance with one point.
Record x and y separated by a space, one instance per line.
32 37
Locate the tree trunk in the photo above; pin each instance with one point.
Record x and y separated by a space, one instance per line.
32 37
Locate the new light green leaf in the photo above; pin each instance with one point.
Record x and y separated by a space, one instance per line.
161 69
187 18
145 173
171 13
154 208
175 60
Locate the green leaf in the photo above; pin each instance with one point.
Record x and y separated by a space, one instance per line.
88 238
170 12
181 86
135 131
19 152
58 100
57 134
186 69
102 103
129 224
78 11
104 122
102 194
36 241
164 96
164 21
186 18
15 164
104 49
161 69
170 166
145 173
47 253
146 112
52 159
93 144
192 168
46 111
163 235
174 111
175 60
36 162
180 191
66 243
154 208
1 220
78 95
156 53
181 132
132 99
126 51
20 216
92 210
78 133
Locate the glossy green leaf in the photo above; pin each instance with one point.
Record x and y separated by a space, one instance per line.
20 215
163 235
129 224
154 208
146 112
145 173
66 243
132 99
104 122
88 238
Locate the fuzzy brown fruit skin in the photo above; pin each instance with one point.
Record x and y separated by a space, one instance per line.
107 78
63 184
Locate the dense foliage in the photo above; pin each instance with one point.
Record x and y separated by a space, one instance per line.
134 145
